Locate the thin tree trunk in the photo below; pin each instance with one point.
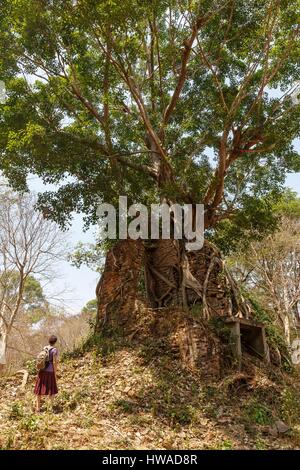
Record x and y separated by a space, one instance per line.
3 346
287 329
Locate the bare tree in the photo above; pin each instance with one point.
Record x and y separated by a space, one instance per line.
272 267
29 246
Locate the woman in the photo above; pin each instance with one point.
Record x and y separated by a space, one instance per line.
46 379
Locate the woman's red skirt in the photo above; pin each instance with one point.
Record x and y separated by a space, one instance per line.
45 383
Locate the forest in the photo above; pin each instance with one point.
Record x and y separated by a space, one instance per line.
177 103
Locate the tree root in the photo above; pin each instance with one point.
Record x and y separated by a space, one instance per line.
206 314
173 277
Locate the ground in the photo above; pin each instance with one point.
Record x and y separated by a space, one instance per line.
140 398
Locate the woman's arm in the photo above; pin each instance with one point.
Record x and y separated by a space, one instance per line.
55 361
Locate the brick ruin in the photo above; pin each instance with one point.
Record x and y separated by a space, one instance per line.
151 289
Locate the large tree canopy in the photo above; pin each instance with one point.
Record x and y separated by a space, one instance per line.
191 101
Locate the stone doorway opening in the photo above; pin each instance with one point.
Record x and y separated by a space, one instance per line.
247 336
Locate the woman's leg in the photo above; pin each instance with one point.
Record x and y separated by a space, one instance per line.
50 403
52 400
38 403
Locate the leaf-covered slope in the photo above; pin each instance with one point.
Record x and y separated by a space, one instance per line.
130 399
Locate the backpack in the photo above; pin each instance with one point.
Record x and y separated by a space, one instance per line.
43 358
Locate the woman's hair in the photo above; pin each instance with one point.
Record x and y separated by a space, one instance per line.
52 340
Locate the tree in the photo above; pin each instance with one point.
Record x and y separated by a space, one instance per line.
89 311
176 101
88 254
34 303
90 307
29 247
270 268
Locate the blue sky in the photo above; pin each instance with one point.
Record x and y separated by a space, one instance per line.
80 283
73 287
293 181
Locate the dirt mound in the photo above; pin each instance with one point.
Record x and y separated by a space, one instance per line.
120 396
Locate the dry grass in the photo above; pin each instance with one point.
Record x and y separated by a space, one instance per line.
130 400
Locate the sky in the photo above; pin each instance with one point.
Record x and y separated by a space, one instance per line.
293 181
78 285
73 287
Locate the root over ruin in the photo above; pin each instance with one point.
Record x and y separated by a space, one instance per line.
146 284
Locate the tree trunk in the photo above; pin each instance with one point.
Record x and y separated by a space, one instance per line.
3 347
172 277
117 288
150 288
284 321
287 329
177 277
